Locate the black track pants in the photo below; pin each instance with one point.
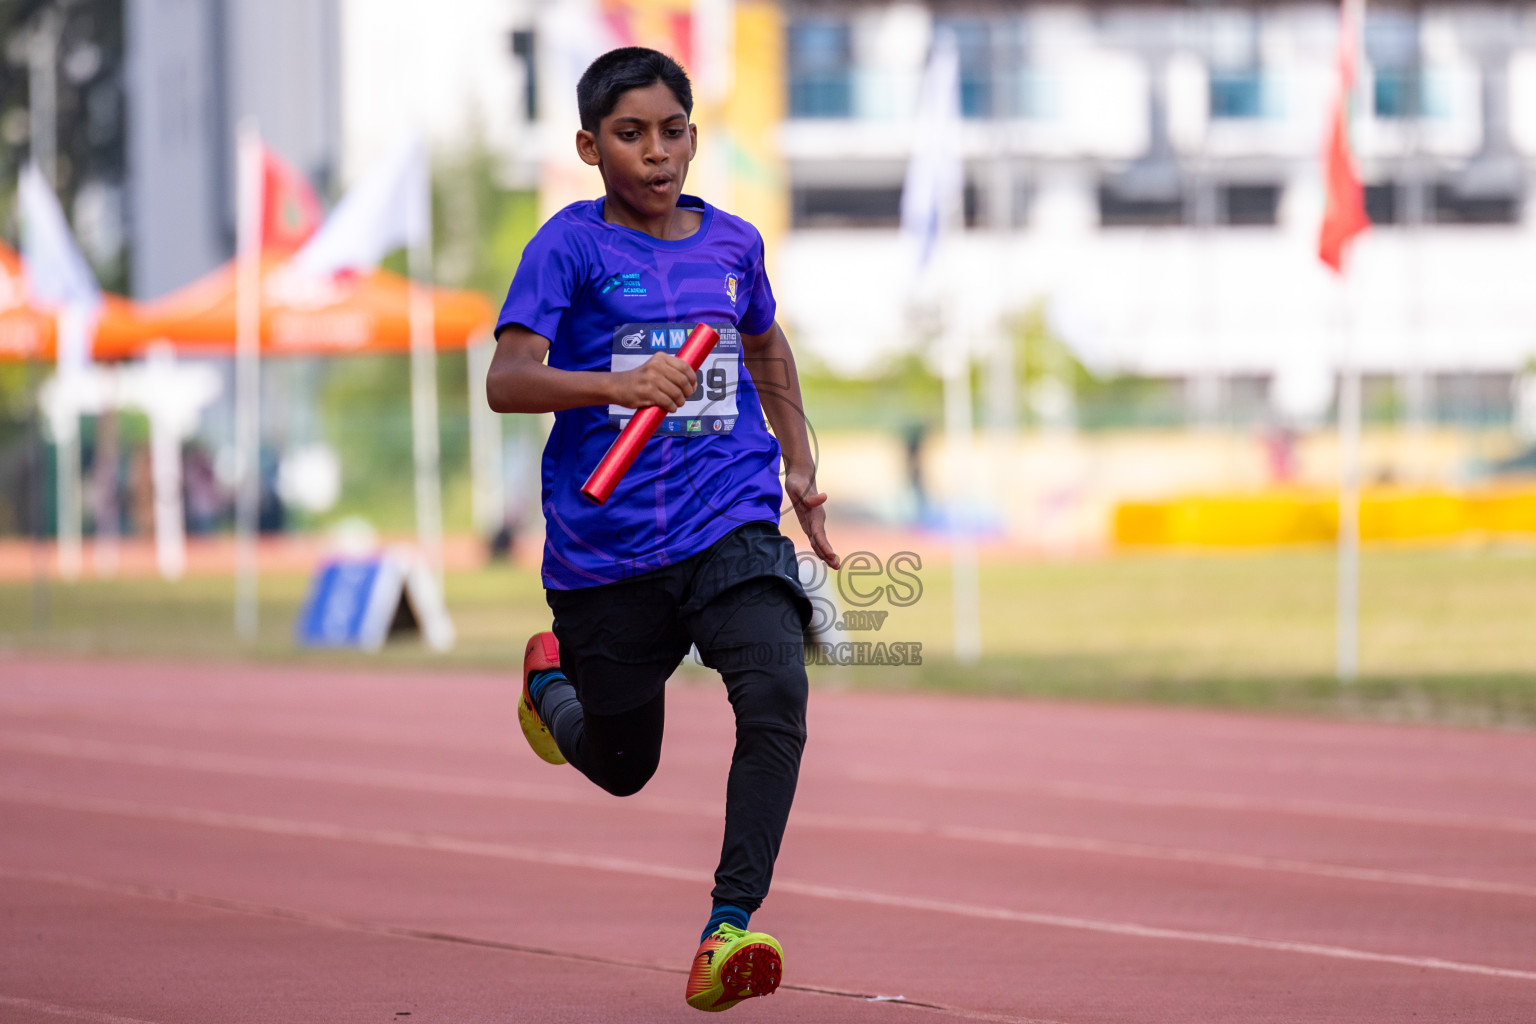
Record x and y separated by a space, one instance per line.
751 634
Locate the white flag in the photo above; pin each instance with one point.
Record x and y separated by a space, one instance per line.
57 274
932 196
56 271
388 209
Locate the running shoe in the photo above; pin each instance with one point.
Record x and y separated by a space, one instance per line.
731 965
542 652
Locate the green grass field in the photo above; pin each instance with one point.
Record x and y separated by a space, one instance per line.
1446 635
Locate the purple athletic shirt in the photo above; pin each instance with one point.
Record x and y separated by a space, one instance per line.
607 297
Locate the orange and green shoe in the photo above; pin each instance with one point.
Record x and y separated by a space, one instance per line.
731 965
542 653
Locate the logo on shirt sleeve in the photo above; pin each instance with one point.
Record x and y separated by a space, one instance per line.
628 282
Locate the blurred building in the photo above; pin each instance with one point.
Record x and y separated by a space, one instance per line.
462 72
195 69
1148 176
1151 175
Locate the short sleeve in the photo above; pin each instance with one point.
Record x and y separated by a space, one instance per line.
761 307
545 283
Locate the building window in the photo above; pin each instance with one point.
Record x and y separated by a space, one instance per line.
1118 209
1381 203
1395 202
525 49
1238 86
862 206
843 206
1249 205
1392 48
1237 94
1397 92
995 81
820 68
974 44
1453 207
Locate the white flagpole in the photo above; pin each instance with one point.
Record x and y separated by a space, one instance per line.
488 484
962 511
248 197
1347 655
424 424
932 202
1347 639
104 486
165 470
67 457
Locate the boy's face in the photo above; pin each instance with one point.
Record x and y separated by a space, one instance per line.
642 149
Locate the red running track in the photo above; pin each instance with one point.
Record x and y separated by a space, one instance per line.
217 844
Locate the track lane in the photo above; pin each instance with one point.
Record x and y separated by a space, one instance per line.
1021 800
920 872
1201 909
1047 969
256 767
216 960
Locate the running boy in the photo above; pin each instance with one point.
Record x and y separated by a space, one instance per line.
687 550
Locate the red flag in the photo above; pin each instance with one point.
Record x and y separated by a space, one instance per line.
290 213
1344 214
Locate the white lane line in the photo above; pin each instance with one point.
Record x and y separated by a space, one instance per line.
68 1012
304 917
292 726
620 865
418 782
299 771
377 837
241 721
1127 795
1102 793
1185 855
1131 930
1321 766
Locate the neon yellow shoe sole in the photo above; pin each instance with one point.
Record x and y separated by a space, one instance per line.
732 965
542 653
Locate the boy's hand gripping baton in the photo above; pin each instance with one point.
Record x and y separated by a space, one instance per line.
622 454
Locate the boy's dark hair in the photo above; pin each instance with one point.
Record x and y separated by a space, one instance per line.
618 71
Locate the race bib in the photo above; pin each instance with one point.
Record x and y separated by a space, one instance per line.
711 409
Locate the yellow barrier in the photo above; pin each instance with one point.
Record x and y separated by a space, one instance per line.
1312 516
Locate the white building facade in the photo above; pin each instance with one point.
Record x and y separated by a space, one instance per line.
1150 177
1147 176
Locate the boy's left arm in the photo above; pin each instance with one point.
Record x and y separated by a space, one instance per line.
772 366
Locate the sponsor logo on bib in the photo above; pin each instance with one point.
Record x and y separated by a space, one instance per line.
711 410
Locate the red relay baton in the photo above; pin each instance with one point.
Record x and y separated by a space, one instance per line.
626 448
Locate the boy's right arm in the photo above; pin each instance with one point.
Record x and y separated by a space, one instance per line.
519 381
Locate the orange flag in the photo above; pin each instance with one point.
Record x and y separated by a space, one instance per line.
290 213
1344 214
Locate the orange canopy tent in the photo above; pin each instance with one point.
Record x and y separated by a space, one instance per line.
356 314
30 333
